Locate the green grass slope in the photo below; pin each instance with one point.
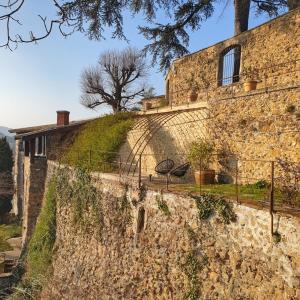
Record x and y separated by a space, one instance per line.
97 144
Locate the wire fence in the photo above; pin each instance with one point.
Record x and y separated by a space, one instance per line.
272 183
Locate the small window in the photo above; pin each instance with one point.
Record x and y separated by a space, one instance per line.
229 65
26 148
168 91
40 146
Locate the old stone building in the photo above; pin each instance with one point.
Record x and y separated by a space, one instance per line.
34 146
242 93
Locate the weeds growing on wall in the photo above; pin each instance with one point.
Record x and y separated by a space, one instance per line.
162 205
76 189
123 216
208 205
192 266
96 145
40 250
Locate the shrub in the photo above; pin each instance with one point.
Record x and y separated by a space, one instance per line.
261 184
97 144
6 160
162 205
208 204
201 150
5 205
40 247
7 232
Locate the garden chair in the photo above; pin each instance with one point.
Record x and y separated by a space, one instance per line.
180 171
164 167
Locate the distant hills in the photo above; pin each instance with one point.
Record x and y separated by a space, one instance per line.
9 137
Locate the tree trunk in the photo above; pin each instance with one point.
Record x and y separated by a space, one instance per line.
241 18
292 4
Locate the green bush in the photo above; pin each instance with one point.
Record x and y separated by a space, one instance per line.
209 204
7 232
201 150
6 156
40 249
261 184
97 144
38 257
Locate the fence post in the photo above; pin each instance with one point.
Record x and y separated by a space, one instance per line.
120 166
237 181
90 156
272 197
200 179
167 179
140 171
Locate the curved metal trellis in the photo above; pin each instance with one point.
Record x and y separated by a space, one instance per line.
152 124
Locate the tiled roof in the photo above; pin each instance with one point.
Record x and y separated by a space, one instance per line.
44 129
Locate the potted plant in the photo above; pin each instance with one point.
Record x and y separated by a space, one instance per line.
193 88
251 79
200 156
148 105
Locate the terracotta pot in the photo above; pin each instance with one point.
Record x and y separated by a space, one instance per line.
148 105
250 85
193 96
205 177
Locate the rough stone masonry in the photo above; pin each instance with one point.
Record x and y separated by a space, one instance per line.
147 261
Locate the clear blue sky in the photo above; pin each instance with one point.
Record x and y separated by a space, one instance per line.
37 80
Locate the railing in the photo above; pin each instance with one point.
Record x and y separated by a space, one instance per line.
257 181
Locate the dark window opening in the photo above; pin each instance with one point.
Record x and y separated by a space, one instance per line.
40 146
141 220
168 92
229 65
26 148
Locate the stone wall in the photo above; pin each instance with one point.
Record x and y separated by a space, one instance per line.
269 54
35 174
254 127
154 102
148 257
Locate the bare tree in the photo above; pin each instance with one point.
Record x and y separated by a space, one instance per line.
117 80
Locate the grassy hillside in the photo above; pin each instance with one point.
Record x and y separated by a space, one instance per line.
97 144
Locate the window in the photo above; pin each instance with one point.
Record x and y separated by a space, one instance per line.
26 148
40 146
229 65
168 91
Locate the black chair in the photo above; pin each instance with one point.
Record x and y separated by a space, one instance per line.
164 167
180 171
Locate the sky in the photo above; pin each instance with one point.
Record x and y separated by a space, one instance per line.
37 80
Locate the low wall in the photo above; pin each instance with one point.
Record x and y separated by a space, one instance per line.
150 257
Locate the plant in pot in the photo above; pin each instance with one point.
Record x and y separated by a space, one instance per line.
200 156
250 76
193 88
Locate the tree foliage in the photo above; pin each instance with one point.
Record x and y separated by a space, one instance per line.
6 156
167 40
116 80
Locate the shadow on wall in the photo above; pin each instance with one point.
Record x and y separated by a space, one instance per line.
157 140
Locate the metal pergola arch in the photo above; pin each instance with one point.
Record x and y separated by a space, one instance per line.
151 125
